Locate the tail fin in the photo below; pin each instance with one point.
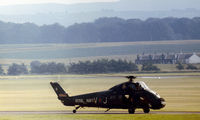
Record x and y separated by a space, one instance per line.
59 90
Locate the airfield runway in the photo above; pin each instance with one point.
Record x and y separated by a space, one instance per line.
91 112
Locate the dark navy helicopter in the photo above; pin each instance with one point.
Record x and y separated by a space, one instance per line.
128 95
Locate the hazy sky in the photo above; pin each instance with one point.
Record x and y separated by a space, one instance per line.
120 5
14 2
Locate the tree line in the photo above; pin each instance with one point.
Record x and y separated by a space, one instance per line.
181 66
87 67
102 66
102 30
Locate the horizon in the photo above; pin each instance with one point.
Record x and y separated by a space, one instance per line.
67 2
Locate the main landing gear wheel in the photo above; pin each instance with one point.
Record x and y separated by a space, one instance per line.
131 111
146 110
74 111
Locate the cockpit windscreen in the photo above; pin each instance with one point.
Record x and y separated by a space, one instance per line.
143 85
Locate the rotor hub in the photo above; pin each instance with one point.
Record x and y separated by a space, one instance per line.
131 78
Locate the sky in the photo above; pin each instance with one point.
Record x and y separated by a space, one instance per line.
16 2
133 4
22 7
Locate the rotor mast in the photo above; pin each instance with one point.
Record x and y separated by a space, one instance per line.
131 78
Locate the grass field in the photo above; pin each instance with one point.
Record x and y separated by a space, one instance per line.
33 93
66 53
101 117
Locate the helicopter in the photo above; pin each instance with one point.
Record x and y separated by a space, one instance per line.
128 95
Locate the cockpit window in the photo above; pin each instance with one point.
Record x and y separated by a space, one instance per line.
132 86
143 85
125 86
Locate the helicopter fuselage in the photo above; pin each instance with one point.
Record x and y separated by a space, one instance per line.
127 95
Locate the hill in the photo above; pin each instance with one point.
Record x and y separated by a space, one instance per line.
103 30
66 15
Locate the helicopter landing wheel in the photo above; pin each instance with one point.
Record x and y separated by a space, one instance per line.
131 110
74 111
146 110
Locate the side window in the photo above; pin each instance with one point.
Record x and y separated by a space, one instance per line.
138 86
132 87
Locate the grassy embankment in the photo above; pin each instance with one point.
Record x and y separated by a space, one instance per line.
66 53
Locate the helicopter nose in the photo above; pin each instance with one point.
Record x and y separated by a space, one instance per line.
163 103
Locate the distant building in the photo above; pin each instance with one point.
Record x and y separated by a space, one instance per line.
167 58
193 59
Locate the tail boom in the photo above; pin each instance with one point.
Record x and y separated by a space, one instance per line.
59 91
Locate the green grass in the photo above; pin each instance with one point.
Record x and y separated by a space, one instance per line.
102 117
33 93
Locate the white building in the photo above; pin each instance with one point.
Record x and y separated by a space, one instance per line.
193 59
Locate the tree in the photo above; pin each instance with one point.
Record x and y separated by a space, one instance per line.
107 29
35 67
16 69
60 68
191 67
47 68
149 67
102 66
180 66
1 70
